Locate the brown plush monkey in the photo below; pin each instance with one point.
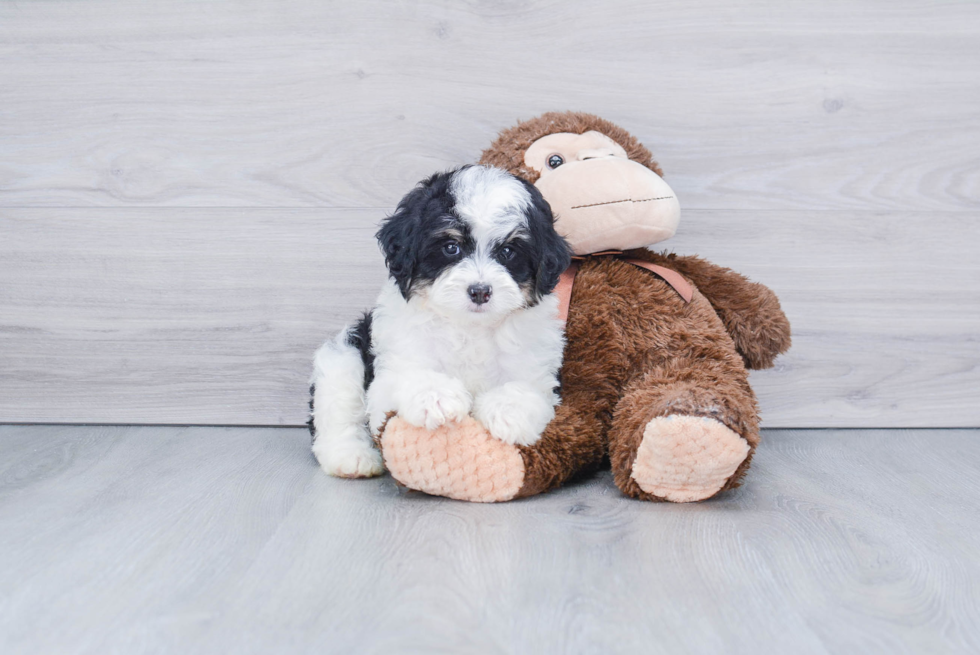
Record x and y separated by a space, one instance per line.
654 374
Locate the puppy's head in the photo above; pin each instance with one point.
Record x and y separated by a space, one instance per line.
474 242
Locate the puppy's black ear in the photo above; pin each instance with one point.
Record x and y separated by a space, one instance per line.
402 234
397 238
554 255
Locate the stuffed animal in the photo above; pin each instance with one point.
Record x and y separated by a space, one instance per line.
658 345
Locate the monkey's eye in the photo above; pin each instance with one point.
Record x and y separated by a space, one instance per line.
555 160
451 249
507 253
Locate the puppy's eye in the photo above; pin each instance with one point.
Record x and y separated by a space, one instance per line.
507 253
451 249
555 160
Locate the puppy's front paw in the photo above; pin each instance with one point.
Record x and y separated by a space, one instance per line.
513 414
435 406
351 459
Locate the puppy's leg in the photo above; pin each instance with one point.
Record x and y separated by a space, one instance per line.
432 399
424 398
515 412
341 442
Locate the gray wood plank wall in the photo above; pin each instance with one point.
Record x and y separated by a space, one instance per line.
188 190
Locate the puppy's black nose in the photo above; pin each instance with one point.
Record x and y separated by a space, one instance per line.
479 293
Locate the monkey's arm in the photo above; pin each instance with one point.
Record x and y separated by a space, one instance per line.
749 310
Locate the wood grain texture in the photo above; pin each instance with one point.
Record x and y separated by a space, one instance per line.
748 105
211 316
202 540
188 191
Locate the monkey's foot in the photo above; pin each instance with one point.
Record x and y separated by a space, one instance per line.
456 460
687 458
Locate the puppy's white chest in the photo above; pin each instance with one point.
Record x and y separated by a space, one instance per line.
470 354
407 338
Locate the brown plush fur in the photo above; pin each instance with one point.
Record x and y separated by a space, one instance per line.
507 151
636 351
750 311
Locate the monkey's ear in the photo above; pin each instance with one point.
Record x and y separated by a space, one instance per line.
397 238
554 255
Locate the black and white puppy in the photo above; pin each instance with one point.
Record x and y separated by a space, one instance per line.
466 323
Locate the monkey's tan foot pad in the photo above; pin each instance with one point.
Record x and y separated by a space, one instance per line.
457 460
687 458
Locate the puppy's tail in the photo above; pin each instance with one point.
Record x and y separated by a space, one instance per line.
342 370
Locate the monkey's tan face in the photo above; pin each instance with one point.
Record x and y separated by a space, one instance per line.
602 199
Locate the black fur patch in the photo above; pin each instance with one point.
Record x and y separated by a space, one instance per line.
414 237
309 423
360 337
551 251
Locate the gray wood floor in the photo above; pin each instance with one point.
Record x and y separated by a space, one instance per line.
156 539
